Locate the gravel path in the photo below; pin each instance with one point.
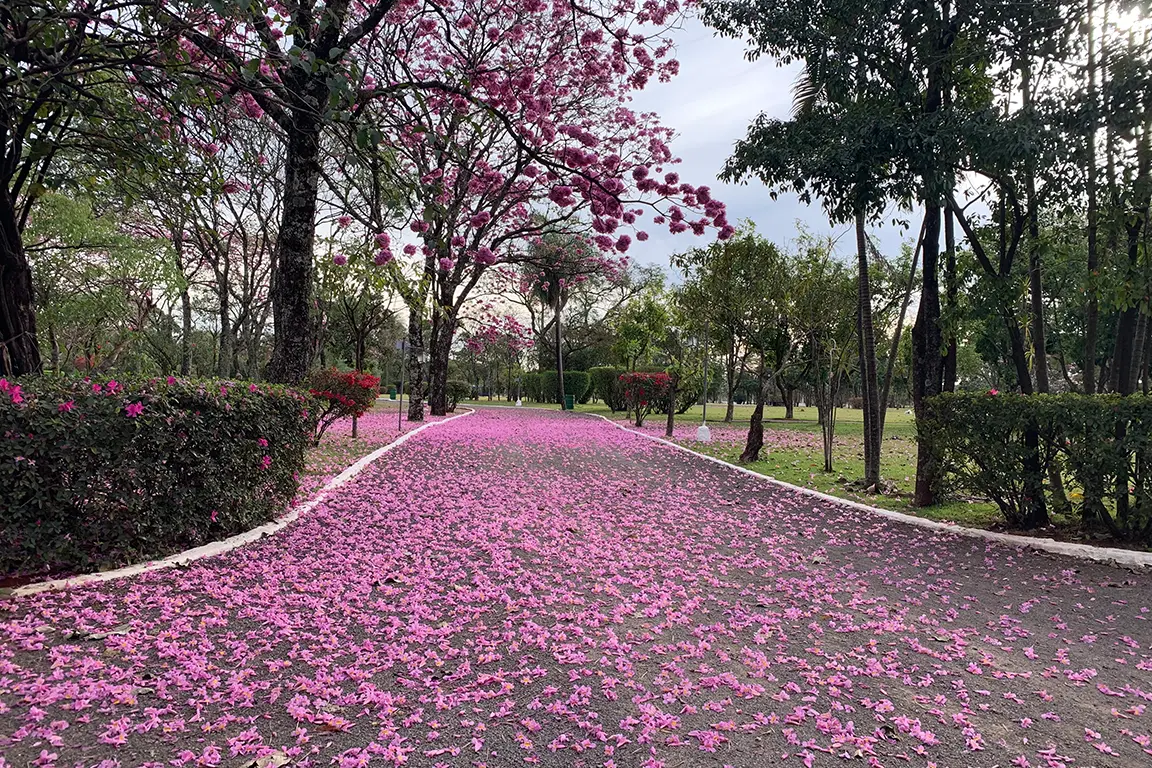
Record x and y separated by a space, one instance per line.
534 588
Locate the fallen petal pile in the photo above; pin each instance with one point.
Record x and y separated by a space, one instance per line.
535 588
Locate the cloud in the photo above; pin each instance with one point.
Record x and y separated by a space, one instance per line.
710 105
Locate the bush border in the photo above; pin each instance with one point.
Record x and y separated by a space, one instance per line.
232 542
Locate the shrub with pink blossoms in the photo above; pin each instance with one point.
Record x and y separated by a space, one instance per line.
96 473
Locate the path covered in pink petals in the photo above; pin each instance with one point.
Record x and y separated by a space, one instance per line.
533 588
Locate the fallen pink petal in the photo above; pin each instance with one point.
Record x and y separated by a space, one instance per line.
526 587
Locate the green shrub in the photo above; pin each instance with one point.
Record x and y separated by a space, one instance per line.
457 390
585 398
96 473
342 394
606 386
1103 441
576 383
548 389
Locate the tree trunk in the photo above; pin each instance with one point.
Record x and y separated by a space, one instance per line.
670 426
950 290
894 353
1092 312
227 337
19 352
185 333
360 350
255 333
1139 344
415 367
1147 364
755 440
867 345
443 325
556 306
1035 282
731 383
1125 358
293 347
927 364
789 396
55 342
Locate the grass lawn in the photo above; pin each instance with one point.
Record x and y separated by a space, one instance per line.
804 466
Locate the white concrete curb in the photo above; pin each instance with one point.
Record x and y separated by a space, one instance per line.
1122 557
240 539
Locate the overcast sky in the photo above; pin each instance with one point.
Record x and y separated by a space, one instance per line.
710 105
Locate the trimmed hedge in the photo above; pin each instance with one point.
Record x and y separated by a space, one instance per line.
96 473
606 386
1102 442
576 383
586 398
530 386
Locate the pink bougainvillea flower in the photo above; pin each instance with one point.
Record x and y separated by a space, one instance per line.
134 409
66 406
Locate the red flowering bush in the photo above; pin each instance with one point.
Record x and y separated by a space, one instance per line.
342 394
103 472
645 392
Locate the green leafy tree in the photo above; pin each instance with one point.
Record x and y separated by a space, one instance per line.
79 95
822 316
640 326
97 286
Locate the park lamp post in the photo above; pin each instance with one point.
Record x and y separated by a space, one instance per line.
703 433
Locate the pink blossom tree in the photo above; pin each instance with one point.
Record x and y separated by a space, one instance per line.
313 65
494 343
530 131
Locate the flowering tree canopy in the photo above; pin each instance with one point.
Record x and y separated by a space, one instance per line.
489 107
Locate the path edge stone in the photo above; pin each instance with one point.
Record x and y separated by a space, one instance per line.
1107 555
232 542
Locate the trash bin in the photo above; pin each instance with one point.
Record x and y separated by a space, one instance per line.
569 402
